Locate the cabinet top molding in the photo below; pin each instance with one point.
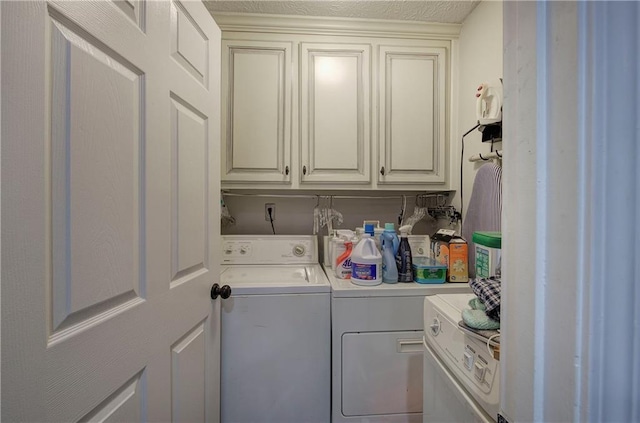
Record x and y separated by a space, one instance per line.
263 23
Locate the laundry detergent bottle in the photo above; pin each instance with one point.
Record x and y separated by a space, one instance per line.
343 262
366 263
390 244
404 261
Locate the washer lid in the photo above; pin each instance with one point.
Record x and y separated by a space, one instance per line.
274 279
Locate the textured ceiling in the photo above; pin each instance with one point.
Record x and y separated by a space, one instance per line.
447 11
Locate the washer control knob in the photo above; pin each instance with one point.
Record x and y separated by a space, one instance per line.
299 250
435 327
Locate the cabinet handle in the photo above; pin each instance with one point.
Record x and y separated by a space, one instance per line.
304 170
382 171
286 170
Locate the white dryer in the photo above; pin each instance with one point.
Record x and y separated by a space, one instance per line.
275 331
377 349
461 375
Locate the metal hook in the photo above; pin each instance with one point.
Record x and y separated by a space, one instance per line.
403 209
498 154
480 155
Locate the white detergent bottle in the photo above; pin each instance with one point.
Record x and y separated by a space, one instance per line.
366 263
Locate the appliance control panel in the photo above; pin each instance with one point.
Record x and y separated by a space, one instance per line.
469 355
477 364
466 357
273 249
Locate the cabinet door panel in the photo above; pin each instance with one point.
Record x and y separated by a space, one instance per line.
335 113
257 135
413 108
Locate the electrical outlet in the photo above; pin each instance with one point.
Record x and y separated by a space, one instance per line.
267 207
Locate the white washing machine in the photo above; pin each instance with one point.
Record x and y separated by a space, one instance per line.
275 331
377 349
461 376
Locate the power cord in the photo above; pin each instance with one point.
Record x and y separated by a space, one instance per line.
491 338
271 220
462 180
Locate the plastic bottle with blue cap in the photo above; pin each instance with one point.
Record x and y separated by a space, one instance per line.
390 244
366 263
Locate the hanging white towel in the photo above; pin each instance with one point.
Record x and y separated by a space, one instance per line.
485 207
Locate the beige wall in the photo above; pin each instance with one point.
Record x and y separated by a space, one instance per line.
480 60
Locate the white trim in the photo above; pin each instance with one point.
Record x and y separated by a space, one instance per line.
542 152
585 318
264 23
613 370
585 238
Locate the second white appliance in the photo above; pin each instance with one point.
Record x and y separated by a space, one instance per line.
461 377
377 348
275 331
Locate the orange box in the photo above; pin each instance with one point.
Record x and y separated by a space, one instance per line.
458 261
452 251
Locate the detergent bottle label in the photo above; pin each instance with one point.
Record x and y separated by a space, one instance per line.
364 271
343 270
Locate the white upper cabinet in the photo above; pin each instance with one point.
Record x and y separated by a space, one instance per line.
335 109
318 103
256 134
413 114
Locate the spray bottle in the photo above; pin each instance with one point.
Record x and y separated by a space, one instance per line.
337 246
390 244
404 261
343 262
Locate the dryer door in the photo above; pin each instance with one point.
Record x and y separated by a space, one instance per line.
382 373
444 399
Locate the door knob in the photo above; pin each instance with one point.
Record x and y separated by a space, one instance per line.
304 170
286 170
224 292
382 171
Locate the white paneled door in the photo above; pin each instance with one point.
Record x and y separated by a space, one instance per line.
110 211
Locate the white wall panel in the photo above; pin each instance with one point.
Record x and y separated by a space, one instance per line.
189 186
190 46
95 145
188 377
126 404
480 60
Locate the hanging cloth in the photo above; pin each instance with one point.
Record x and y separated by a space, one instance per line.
484 209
